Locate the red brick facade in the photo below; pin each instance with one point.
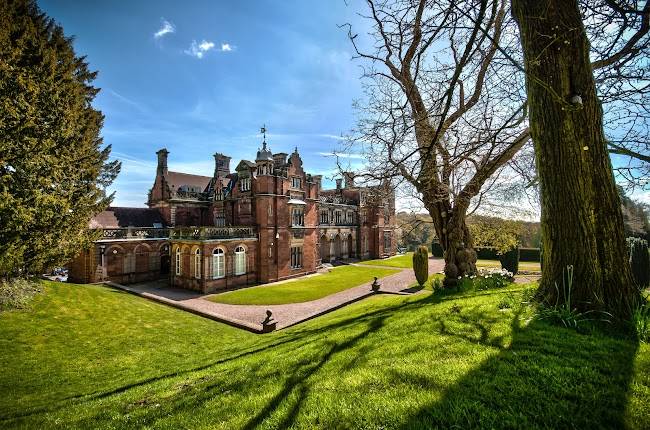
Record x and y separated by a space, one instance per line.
267 221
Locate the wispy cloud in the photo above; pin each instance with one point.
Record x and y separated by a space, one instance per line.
126 100
342 155
167 28
226 47
198 49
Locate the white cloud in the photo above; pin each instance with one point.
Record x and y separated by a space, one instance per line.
167 27
225 47
342 155
199 49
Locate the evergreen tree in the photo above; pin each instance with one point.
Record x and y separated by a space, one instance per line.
53 169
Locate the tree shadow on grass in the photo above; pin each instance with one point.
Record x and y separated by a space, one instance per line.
548 377
282 408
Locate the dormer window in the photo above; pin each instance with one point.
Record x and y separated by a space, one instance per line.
244 184
295 182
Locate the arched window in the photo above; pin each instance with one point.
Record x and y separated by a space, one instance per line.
240 260
218 263
197 264
178 261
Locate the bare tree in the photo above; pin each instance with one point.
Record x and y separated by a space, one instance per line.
445 109
619 38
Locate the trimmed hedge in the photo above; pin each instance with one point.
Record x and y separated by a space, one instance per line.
530 254
486 253
489 253
436 249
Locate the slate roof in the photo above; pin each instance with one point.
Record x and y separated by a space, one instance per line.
178 179
115 217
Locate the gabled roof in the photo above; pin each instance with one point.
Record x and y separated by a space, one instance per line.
246 163
178 179
115 217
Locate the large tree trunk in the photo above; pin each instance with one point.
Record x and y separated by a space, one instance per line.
582 224
456 241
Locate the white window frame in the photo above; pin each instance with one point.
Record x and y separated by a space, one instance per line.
296 182
240 260
218 263
245 184
197 263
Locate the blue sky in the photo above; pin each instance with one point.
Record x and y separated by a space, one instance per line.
202 77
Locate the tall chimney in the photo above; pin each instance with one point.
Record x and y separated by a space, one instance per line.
338 183
221 165
349 179
162 162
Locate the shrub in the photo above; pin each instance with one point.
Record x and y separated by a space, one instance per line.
17 293
510 261
641 322
436 284
486 253
639 261
421 265
529 254
436 249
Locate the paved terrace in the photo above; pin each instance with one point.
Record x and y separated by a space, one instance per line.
250 317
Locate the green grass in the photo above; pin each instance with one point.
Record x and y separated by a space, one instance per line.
303 289
406 261
528 266
403 261
92 357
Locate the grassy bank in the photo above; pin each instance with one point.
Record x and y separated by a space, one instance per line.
91 357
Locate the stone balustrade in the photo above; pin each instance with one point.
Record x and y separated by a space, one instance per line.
207 233
134 233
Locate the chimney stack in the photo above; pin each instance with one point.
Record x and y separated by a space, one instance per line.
349 179
162 162
221 165
338 183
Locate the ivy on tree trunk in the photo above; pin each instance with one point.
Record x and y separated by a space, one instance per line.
582 223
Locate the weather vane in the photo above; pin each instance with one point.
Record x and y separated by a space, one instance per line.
263 131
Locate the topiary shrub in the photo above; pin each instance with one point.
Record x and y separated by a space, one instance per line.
421 265
436 249
639 261
510 261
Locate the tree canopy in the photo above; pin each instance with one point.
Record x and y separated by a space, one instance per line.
54 168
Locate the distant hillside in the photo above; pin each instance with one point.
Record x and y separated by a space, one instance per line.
416 229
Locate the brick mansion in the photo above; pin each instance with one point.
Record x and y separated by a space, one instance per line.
268 220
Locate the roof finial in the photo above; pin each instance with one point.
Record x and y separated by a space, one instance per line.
263 131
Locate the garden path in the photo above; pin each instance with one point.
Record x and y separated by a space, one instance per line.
250 317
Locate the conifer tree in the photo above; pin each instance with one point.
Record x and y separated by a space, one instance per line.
54 168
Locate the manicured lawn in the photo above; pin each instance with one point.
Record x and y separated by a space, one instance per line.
403 261
305 289
406 261
528 266
91 357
